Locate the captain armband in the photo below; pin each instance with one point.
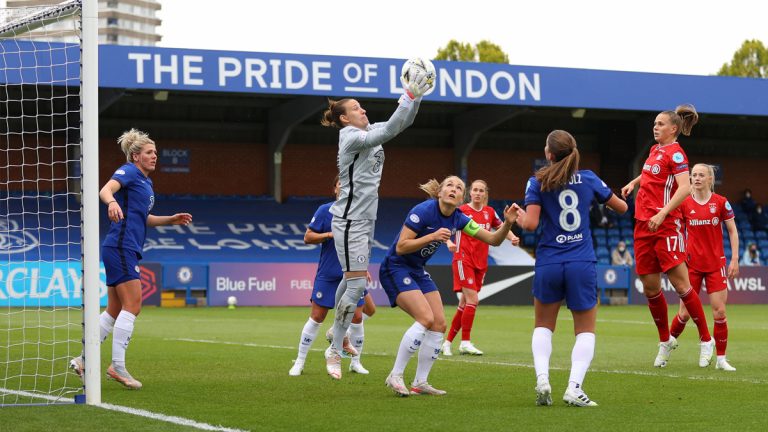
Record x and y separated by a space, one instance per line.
471 228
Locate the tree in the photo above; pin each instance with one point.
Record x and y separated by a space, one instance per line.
484 51
751 60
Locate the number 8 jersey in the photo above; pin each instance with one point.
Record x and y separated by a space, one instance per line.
564 219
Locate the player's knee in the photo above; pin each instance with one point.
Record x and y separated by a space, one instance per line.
718 312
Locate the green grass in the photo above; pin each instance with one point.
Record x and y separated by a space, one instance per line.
230 368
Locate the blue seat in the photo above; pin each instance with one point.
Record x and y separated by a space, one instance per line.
604 260
762 243
602 252
625 223
601 241
627 232
613 240
747 234
614 232
597 231
761 234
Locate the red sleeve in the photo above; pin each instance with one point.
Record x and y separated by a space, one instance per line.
496 221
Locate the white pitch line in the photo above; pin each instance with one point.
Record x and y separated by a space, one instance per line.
493 363
128 410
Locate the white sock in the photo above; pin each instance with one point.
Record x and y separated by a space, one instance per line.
121 337
357 337
430 349
365 316
541 345
106 324
308 335
412 340
581 357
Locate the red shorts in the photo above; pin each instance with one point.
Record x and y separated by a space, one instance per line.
468 277
716 280
660 251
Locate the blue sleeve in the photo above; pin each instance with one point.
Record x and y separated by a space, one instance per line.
125 175
317 224
532 192
417 218
462 220
602 192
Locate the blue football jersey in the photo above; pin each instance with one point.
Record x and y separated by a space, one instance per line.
564 220
136 199
328 268
424 219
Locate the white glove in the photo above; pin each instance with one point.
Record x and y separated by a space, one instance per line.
416 86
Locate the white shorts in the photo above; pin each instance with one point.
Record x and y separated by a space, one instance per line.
353 240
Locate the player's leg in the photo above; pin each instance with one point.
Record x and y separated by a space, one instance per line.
415 305
548 293
678 323
129 293
458 278
581 297
470 296
356 339
718 297
106 325
678 277
322 300
433 339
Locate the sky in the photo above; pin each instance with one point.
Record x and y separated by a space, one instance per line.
675 36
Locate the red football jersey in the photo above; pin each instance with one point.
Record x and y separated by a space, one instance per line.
657 181
471 251
704 231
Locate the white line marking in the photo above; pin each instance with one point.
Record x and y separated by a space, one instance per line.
128 410
493 363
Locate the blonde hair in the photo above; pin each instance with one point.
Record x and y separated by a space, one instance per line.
684 117
710 172
487 190
432 187
332 115
132 142
562 146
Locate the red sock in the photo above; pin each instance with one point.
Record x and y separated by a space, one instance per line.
721 335
658 306
466 321
677 326
692 302
455 324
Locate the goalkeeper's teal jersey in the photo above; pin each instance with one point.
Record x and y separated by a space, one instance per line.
361 162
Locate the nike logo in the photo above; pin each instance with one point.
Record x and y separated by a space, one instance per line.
496 287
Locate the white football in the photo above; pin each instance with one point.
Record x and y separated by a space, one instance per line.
232 300
416 65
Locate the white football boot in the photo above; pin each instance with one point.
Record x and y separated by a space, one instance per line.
665 349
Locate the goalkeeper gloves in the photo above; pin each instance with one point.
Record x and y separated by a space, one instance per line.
416 86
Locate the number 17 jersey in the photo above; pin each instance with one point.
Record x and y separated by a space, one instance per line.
564 219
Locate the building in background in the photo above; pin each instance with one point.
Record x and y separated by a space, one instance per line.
121 22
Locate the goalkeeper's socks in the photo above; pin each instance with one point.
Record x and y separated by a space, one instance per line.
410 343
541 345
121 338
581 356
308 335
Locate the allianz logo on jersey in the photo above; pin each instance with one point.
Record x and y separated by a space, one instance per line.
700 222
570 238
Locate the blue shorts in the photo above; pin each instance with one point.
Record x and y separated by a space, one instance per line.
324 293
574 281
121 265
396 278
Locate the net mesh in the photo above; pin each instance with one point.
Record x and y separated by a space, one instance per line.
40 253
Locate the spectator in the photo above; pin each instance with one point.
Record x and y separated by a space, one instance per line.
751 256
620 255
747 203
758 219
599 216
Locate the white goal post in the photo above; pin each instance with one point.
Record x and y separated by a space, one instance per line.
50 284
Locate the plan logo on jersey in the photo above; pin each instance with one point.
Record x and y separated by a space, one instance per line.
678 157
13 239
414 218
562 238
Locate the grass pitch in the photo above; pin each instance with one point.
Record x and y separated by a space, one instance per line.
229 368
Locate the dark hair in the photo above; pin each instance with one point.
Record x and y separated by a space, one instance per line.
684 117
332 116
562 146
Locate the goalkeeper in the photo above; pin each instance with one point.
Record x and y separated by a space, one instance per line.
361 162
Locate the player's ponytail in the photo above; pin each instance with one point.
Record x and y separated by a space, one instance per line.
132 142
562 146
432 187
684 117
332 116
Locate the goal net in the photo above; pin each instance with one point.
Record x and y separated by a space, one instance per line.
41 312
